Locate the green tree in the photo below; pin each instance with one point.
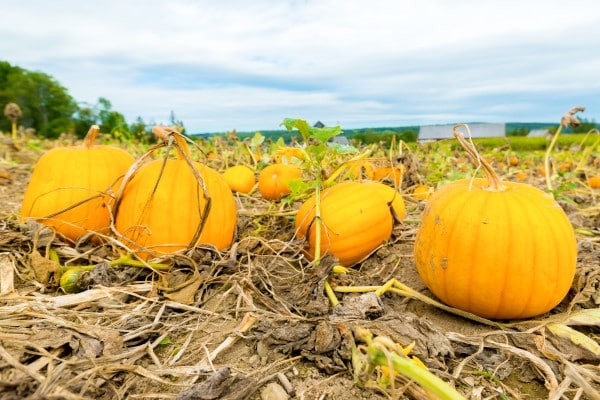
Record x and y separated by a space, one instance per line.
86 116
173 121
585 126
47 106
111 121
139 131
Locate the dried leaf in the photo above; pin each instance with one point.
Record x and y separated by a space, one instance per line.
5 176
46 271
182 288
7 280
586 317
221 385
574 343
569 119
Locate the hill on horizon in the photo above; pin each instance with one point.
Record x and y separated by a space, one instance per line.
411 129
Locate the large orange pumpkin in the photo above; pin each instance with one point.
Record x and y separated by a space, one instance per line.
70 187
273 180
356 219
163 206
500 250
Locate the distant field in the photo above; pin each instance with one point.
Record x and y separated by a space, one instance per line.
537 143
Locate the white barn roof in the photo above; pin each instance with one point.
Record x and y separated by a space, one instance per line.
432 132
538 132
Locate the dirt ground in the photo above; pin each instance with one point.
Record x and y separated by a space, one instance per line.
254 321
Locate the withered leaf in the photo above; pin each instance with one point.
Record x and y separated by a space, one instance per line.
45 270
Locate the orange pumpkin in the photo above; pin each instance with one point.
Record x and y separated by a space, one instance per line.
392 198
422 192
594 182
273 180
520 175
356 218
394 174
163 207
240 178
358 170
70 187
501 250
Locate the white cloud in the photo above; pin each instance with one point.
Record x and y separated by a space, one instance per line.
236 64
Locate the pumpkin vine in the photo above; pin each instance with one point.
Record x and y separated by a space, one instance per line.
317 150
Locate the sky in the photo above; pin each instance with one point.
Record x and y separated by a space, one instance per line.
247 65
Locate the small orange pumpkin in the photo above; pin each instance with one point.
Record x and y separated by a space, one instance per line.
422 192
520 175
357 170
240 178
393 174
70 187
356 219
594 182
163 207
501 250
273 180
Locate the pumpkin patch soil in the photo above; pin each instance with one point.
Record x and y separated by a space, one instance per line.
254 321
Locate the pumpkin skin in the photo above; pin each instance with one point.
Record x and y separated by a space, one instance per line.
500 252
422 192
394 174
273 179
391 197
64 177
240 178
356 219
165 218
594 182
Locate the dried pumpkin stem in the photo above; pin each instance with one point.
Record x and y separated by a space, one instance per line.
90 137
494 181
568 119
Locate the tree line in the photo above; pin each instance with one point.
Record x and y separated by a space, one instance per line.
47 107
44 105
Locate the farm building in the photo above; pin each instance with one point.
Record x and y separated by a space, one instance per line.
435 132
539 132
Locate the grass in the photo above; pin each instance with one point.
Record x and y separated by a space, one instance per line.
525 143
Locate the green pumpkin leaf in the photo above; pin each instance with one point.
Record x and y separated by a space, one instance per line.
342 148
299 124
311 132
257 140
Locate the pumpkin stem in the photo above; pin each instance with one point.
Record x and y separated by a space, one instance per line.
494 181
90 137
168 135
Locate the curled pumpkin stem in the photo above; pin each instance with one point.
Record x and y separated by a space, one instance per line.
494 181
567 120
